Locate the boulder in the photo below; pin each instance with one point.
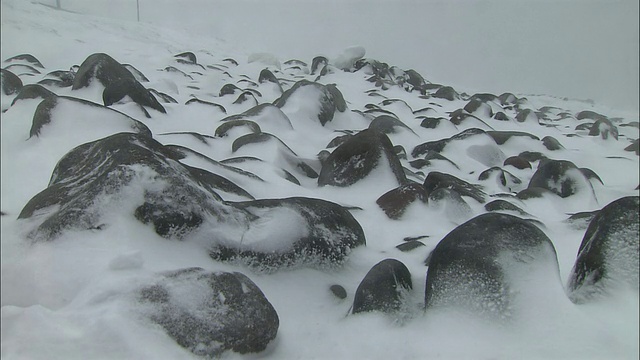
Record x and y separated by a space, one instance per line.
561 177
608 255
395 202
100 67
488 265
356 158
10 82
209 313
384 288
312 100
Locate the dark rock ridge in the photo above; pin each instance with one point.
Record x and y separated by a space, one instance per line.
209 313
356 158
609 252
120 88
483 266
384 288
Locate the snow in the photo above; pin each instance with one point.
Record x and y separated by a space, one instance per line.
70 298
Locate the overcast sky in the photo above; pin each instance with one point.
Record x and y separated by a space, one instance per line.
585 49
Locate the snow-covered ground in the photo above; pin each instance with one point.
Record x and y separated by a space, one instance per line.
70 298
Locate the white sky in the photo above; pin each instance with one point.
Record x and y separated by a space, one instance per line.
585 49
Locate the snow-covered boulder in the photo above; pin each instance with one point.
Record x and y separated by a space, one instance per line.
488 265
609 252
308 100
292 232
209 313
356 158
384 288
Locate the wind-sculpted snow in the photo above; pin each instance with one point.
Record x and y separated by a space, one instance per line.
139 185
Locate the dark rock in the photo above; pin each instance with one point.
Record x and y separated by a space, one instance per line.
592 115
527 115
338 291
480 266
507 99
223 129
501 116
44 112
329 98
339 140
478 107
500 137
562 177
357 157
310 232
517 162
94 177
28 58
504 177
439 145
318 62
604 128
265 115
590 174
136 73
395 202
261 137
208 103
634 146
431 123
22 69
163 97
451 203
584 126
532 156
267 76
436 180
410 245
503 205
102 68
246 96
11 83
33 91
120 88
228 89
209 313
533 193
188 57
426 161
384 288
388 124
447 93
608 255
551 143
416 80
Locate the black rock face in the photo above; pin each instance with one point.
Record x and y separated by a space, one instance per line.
100 67
609 252
33 91
478 267
209 313
384 288
357 157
